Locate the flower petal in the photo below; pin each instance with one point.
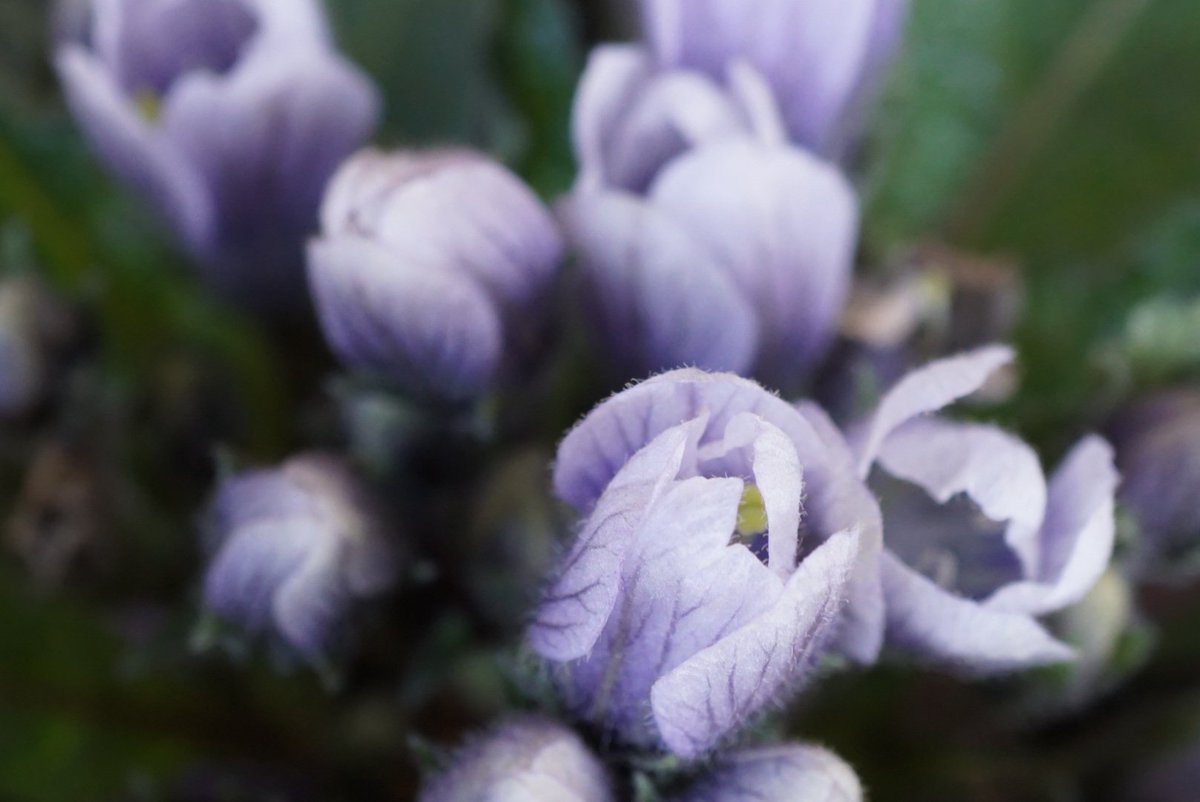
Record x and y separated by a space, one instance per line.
660 301
719 689
779 774
577 606
1077 536
433 331
934 624
924 390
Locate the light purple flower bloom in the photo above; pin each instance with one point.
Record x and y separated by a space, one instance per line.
819 56
432 268
979 544
228 116
778 774
725 542
293 548
703 237
1158 452
524 760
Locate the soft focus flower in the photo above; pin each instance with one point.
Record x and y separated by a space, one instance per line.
722 536
819 56
788 773
1158 452
524 760
703 237
294 547
228 116
978 543
432 268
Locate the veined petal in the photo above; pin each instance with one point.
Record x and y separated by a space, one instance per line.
708 696
614 76
779 774
933 623
312 600
431 330
925 390
659 299
580 600
1077 536
999 472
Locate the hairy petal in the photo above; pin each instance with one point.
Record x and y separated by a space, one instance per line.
659 298
935 624
925 390
580 600
710 695
1077 536
779 774
431 330
999 472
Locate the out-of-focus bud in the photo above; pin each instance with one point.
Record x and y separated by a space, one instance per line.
293 548
819 56
228 116
432 269
1158 453
778 774
528 759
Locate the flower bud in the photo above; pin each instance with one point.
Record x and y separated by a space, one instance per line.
293 548
778 774
432 269
528 759
228 117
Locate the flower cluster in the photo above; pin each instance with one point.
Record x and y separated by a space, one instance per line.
727 543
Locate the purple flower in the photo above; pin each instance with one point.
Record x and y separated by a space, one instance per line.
524 760
978 543
703 237
293 548
1158 452
819 56
778 774
432 268
228 116
722 535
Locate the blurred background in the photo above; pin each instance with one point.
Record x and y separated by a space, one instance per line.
1042 158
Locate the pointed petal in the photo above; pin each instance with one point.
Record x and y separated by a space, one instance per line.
1077 536
999 472
779 774
312 601
924 390
659 299
430 330
934 624
721 688
611 82
577 606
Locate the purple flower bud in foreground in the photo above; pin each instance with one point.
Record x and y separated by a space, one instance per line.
703 238
1158 451
725 542
778 774
432 268
819 56
294 548
978 543
525 760
228 116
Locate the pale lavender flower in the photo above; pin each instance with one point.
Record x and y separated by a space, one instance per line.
1158 452
432 269
979 544
524 760
725 543
820 57
228 116
778 774
293 548
703 237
